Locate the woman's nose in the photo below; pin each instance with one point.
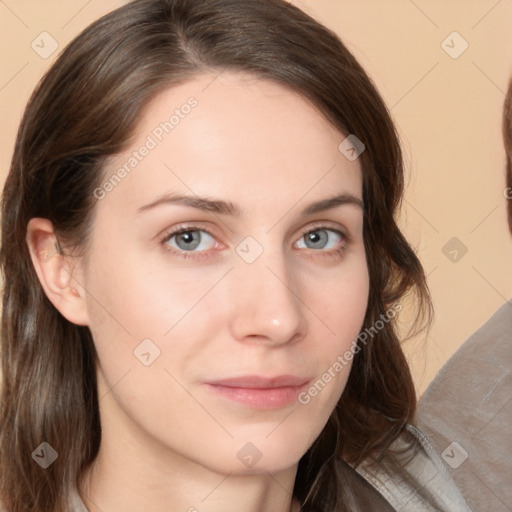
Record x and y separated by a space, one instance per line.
266 306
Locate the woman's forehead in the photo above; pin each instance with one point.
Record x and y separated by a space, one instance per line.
229 137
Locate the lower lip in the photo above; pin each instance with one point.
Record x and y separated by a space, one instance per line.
258 398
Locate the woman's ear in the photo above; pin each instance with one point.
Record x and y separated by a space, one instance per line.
58 273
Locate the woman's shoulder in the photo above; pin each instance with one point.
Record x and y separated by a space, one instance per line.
412 477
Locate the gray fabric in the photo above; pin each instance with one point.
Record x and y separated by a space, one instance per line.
413 478
361 495
466 413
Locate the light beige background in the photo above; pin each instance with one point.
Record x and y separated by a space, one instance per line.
448 112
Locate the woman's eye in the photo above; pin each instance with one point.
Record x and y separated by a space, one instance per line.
320 239
195 243
191 240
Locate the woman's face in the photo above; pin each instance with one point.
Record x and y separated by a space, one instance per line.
222 344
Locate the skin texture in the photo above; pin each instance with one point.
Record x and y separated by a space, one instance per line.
168 441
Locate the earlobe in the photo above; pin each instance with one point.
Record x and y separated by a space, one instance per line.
56 271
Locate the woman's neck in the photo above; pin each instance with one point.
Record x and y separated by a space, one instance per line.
110 487
133 472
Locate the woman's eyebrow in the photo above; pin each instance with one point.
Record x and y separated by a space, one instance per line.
221 207
332 202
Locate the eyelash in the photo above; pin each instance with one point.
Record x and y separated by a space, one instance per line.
196 255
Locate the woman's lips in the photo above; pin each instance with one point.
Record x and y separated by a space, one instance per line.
260 392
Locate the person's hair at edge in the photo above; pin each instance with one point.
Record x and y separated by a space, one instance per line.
84 110
507 138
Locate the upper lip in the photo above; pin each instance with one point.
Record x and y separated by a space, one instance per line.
258 382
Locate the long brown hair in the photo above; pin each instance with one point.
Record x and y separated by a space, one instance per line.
507 139
84 110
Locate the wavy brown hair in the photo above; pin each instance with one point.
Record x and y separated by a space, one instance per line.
507 140
84 110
